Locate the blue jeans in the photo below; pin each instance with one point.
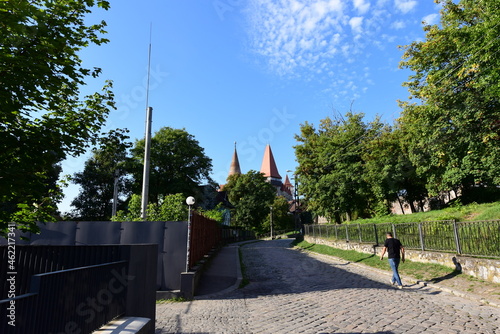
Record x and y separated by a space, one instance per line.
394 263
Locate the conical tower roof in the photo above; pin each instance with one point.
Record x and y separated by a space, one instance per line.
287 183
235 163
268 167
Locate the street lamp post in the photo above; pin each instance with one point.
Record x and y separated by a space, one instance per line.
189 201
296 200
271 219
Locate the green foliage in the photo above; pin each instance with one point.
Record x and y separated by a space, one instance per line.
470 212
252 196
43 116
216 213
490 211
390 173
26 214
453 133
448 140
169 208
133 211
178 164
282 218
95 200
333 167
172 150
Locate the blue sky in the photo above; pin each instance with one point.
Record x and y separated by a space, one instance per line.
251 71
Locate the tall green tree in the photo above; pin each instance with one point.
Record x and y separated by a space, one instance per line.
252 197
453 131
390 172
43 118
331 166
97 180
178 164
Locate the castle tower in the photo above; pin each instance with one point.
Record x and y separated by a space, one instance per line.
235 163
287 183
269 169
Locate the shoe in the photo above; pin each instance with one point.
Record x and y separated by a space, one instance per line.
392 282
400 287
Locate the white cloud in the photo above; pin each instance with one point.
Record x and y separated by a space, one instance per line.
317 40
388 38
405 6
294 33
361 6
431 19
376 20
356 24
398 25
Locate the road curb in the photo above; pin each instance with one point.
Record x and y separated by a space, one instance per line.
239 278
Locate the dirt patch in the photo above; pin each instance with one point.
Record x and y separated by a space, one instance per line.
471 216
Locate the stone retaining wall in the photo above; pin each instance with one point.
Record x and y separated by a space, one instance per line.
486 269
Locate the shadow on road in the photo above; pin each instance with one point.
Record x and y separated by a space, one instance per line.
445 277
159 331
273 268
365 258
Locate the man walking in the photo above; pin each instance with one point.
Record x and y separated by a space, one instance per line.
396 253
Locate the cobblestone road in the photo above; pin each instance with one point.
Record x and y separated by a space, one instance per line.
295 292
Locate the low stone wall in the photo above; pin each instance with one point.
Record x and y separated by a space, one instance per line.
485 269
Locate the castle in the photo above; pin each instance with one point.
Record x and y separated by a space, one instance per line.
269 170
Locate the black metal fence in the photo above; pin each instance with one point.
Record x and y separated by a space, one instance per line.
81 298
233 234
478 238
39 259
77 289
274 234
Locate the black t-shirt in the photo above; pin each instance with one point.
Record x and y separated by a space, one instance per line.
393 248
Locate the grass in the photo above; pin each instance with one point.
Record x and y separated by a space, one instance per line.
244 280
418 270
470 212
172 300
490 212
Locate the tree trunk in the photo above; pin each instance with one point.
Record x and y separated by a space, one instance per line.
412 206
337 218
401 205
421 205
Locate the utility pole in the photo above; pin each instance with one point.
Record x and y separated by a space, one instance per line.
147 144
145 174
115 193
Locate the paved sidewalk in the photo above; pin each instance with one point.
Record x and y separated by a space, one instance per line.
223 274
295 292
